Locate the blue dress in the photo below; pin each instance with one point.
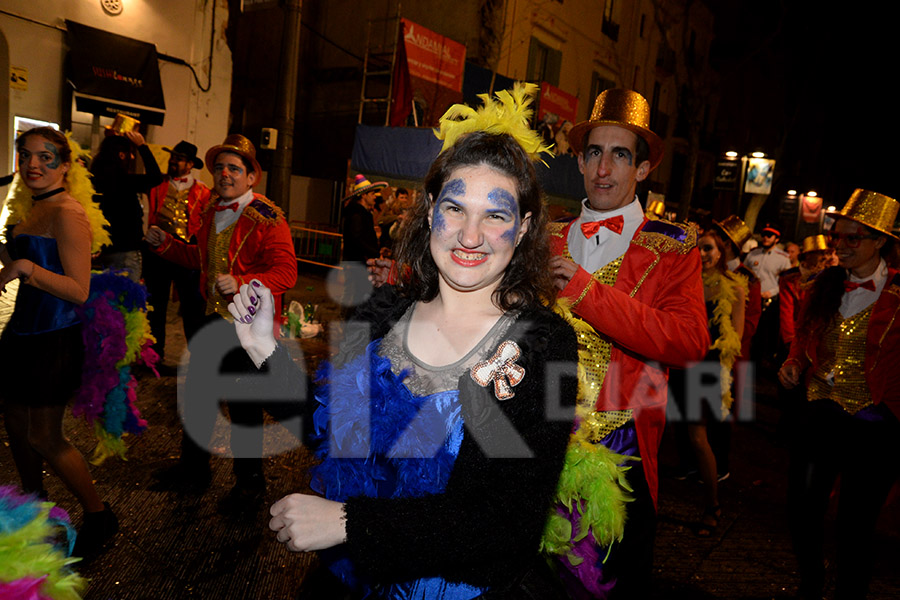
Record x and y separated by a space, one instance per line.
396 444
42 342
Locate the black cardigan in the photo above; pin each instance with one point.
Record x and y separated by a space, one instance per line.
485 528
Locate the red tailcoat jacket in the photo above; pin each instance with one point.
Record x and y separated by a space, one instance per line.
198 196
654 316
882 347
261 248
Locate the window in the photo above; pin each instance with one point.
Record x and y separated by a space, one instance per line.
543 63
609 27
598 85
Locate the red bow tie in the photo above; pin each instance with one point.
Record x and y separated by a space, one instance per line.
180 179
849 286
233 206
614 224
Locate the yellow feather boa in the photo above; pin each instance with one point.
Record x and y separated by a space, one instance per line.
729 342
78 184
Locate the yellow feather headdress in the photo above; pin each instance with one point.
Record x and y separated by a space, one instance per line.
509 114
79 186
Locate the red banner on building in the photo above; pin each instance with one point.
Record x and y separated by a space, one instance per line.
557 102
433 57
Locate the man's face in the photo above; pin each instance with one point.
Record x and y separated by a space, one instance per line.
855 245
179 165
793 251
768 239
368 200
607 163
231 179
402 200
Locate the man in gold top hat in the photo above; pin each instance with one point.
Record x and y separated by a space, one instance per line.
636 283
242 237
846 351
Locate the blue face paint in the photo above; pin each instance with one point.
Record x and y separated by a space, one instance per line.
454 188
56 161
501 198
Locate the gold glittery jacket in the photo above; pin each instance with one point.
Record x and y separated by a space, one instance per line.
882 347
653 316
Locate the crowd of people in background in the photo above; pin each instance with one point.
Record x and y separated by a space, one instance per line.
469 293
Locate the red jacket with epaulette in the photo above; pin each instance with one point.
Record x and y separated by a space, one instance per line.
654 316
882 347
198 196
261 248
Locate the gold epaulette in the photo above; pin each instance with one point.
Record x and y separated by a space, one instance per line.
667 236
264 210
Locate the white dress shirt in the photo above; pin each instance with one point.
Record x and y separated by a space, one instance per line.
858 300
182 185
224 218
606 245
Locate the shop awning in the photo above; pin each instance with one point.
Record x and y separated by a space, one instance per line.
113 74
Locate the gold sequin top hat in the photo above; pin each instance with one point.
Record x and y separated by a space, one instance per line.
812 243
123 124
871 209
655 209
237 144
736 230
622 108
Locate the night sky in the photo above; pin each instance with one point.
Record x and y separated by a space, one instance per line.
814 87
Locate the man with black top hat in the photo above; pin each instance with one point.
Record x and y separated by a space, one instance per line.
175 207
634 288
242 237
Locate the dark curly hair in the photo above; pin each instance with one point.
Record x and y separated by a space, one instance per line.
526 281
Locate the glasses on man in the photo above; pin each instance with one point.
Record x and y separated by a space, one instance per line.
851 240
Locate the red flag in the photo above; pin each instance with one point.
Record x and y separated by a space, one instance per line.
402 92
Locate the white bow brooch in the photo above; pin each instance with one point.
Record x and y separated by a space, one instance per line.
502 369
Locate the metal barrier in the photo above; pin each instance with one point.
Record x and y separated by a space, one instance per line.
317 244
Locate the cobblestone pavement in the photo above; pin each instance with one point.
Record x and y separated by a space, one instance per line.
174 546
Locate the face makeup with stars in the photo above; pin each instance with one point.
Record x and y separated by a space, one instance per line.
230 176
609 169
40 165
475 227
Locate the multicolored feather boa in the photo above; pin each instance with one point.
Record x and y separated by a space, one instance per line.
79 186
729 342
116 333
592 482
36 540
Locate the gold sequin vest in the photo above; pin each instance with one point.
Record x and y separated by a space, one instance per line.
594 351
841 375
172 216
217 247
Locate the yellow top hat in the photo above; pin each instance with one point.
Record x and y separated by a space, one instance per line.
871 209
655 208
812 243
622 108
736 230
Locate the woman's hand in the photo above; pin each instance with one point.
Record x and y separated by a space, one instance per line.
155 236
305 523
17 269
136 138
379 270
253 310
789 375
563 270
